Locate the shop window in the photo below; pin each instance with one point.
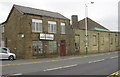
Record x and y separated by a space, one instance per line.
36 25
52 47
52 27
37 47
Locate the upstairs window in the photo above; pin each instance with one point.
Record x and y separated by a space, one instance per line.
1 28
52 27
62 28
36 25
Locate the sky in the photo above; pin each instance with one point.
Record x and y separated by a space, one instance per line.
104 12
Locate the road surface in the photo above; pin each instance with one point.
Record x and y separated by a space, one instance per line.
92 64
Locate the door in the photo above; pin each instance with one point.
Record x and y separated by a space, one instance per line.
5 53
62 48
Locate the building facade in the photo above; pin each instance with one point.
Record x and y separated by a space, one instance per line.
100 39
33 33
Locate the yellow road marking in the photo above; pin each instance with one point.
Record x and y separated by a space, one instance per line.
114 74
48 61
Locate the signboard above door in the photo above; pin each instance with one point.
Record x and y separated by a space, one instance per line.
46 36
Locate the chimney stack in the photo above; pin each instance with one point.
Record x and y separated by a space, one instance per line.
74 19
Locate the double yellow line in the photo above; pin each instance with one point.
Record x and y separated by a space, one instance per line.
48 61
116 74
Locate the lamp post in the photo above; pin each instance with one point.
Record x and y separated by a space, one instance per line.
86 26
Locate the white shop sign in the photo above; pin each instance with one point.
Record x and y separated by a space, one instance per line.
46 36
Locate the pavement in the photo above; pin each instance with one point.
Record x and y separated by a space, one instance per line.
92 64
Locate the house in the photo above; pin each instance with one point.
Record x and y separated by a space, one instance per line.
34 33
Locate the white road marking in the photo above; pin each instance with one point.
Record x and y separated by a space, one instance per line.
17 74
70 66
114 57
96 61
60 67
52 69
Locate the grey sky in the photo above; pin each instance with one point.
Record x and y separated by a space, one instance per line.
105 12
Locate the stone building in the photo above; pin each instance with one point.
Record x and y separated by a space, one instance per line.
100 39
35 33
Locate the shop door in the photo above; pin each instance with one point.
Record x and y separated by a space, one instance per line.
62 48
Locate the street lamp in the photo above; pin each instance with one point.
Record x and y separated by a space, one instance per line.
86 26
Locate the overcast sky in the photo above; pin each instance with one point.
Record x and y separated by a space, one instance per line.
105 12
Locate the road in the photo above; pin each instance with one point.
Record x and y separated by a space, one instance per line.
92 64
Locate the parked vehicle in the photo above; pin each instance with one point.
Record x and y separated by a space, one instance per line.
5 54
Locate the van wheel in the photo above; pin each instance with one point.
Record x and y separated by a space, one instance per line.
11 58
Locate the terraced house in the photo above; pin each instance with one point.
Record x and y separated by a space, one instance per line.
35 33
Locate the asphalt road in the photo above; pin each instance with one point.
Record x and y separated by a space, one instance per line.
93 64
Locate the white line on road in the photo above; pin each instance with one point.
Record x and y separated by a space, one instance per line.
17 74
114 57
96 61
60 67
70 66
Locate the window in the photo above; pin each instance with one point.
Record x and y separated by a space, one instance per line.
52 47
111 41
1 28
37 47
62 28
36 25
51 27
102 40
94 40
77 43
116 40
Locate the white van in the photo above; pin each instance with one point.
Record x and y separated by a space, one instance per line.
5 54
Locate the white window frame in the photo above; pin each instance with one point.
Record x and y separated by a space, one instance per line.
52 47
62 28
37 25
38 45
52 27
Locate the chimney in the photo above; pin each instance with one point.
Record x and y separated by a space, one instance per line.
74 19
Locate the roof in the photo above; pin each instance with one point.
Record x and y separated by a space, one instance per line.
34 11
99 29
91 24
2 23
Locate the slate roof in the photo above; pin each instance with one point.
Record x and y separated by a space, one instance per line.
34 11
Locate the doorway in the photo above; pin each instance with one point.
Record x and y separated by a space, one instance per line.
62 48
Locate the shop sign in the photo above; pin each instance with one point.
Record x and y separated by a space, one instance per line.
46 36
